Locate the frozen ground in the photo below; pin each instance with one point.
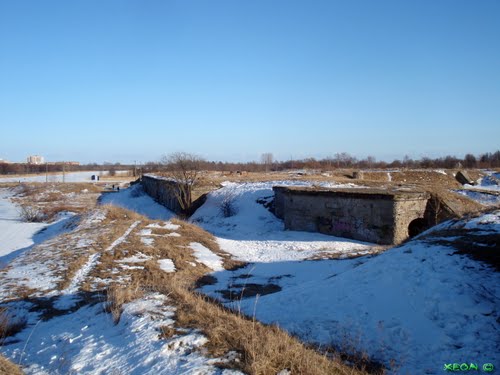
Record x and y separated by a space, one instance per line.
17 236
68 332
135 199
414 307
69 177
486 191
87 341
253 232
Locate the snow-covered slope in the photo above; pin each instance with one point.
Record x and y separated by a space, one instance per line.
414 307
253 233
17 236
135 199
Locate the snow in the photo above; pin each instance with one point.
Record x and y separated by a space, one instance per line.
166 225
255 234
167 265
66 301
486 199
138 258
489 182
134 199
17 236
88 342
206 256
69 177
488 222
148 241
419 304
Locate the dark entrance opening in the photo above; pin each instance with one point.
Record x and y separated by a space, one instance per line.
417 226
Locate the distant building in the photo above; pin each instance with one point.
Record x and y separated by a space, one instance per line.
3 161
35 159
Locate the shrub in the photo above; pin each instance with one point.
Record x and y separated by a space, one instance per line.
227 206
32 214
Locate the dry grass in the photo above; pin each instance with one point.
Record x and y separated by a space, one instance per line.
119 295
262 349
114 213
8 368
8 325
51 198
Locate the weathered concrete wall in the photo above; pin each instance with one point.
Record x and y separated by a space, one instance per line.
162 191
362 214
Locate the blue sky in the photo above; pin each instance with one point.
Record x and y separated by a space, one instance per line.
120 80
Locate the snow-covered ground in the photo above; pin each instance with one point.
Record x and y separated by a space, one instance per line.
416 306
253 232
87 341
489 182
486 199
17 236
135 199
486 191
67 332
68 177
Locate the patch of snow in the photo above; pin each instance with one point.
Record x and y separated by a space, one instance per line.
140 203
127 267
68 177
440 171
167 265
89 342
488 222
82 273
481 197
254 234
166 225
419 304
138 258
148 241
206 256
17 237
145 232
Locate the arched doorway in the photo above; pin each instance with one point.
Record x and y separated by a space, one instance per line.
417 226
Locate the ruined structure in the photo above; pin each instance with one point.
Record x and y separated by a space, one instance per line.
162 190
373 215
167 192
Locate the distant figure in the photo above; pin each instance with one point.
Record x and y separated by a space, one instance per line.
113 187
118 188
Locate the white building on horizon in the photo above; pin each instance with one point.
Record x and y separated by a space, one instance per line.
35 159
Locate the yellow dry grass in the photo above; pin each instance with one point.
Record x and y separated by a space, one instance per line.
8 368
262 349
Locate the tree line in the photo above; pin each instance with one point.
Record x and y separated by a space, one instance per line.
268 163
342 160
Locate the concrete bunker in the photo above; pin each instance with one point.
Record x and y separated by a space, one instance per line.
365 214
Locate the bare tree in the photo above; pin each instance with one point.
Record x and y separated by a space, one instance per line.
267 160
185 169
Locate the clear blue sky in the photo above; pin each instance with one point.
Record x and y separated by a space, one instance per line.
119 80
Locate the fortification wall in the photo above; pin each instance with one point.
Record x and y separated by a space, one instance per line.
162 191
373 216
